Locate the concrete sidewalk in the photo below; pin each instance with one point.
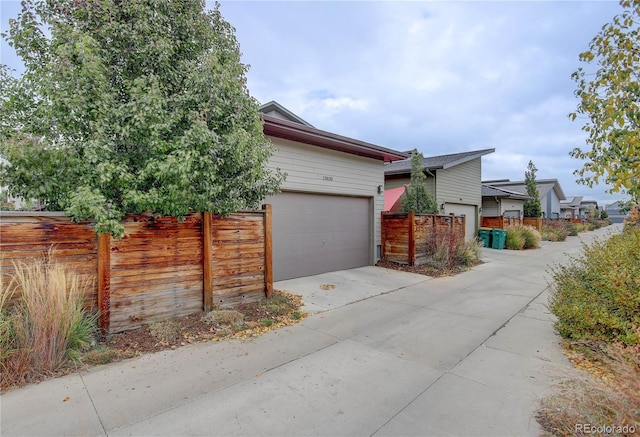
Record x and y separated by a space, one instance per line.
386 353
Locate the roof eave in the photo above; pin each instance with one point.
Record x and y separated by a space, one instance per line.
477 155
275 127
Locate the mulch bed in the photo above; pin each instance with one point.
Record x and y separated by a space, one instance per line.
257 319
423 269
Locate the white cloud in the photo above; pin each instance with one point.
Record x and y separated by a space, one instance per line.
440 76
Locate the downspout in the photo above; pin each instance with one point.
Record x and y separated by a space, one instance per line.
433 175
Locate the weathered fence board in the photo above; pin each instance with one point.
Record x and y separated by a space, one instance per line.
161 268
234 270
52 236
535 222
405 236
500 222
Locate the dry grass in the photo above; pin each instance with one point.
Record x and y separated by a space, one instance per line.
47 325
223 317
607 394
165 331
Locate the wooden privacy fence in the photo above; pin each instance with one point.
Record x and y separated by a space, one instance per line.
162 268
405 236
502 222
535 222
499 221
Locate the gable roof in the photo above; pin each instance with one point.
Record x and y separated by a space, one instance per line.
615 205
288 130
276 110
489 191
572 201
544 186
440 162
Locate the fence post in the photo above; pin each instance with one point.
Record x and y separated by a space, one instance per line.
412 243
207 282
382 235
268 252
104 282
464 227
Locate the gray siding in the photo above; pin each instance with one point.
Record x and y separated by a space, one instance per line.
490 208
314 169
553 204
460 184
395 182
511 205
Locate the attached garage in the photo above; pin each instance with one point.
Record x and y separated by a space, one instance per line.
327 216
469 211
454 181
317 233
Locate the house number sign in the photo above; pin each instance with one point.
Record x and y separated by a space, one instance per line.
327 178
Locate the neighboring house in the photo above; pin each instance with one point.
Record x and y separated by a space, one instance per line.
498 201
453 181
550 192
613 210
586 206
570 208
327 216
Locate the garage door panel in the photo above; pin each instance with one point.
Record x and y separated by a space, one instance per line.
314 233
469 211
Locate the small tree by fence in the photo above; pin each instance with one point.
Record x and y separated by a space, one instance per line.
405 236
162 268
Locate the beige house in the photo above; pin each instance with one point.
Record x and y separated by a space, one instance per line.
327 216
454 181
498 201
549 190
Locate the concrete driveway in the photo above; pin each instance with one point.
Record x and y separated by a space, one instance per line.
385 353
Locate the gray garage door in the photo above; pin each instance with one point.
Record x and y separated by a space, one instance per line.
315 233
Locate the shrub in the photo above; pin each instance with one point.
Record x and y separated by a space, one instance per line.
633 218
611 399
555 230
572 228
275 305
522 237
223 317
48 325
583 227
597 295
165 331
447 250
514 239
532 237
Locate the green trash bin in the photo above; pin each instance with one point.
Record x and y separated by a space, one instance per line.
498 238
485 236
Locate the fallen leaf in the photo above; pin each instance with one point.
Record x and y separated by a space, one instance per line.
65 399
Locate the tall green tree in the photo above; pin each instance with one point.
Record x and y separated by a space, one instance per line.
416 196
610 102
130 106
532 208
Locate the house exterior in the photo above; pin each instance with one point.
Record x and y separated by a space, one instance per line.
586 206
613 210
570 208
549 190
327 216
498 201
453 180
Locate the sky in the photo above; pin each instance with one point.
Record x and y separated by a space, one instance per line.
441 77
